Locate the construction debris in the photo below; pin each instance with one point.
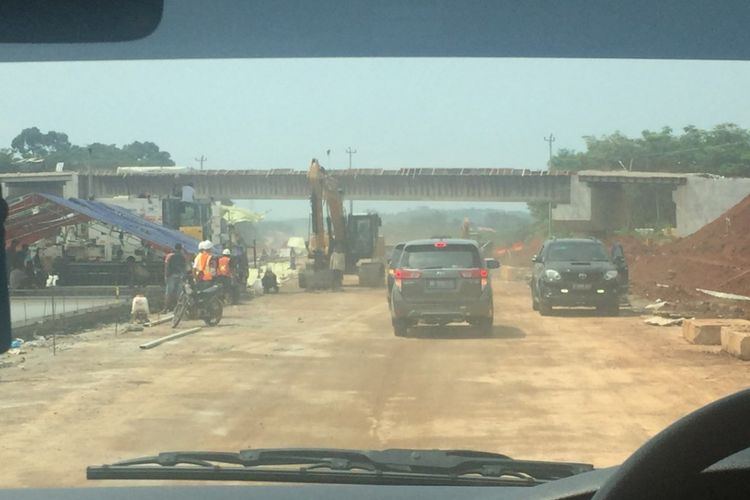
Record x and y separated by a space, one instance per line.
723 295
656 305
660 321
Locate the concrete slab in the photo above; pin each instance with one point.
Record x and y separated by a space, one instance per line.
702 331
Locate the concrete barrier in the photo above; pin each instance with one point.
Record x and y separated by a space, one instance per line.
736 342
702 331
735 338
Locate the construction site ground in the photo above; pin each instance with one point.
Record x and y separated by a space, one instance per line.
325 370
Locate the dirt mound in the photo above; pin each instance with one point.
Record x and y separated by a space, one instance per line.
727 238
716 257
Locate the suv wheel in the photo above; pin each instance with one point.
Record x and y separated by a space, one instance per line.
485 325
545 309
400 327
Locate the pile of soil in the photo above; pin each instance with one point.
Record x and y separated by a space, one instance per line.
716 257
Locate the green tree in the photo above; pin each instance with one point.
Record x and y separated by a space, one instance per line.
54 147
31 142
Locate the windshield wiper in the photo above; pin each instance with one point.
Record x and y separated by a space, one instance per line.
324 465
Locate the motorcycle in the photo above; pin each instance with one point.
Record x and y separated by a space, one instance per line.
198 304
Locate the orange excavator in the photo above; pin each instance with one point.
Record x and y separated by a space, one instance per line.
339 243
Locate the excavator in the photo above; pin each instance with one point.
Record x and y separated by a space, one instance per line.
339 243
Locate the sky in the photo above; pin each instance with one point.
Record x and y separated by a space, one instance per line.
395 113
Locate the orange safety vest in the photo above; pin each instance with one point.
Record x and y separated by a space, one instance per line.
223 266
203 266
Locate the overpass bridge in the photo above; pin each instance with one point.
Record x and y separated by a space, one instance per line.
585 200
418 184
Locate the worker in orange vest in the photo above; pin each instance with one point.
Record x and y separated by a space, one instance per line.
224 274
204 265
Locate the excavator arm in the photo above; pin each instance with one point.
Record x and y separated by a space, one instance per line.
318 245
324 189
335 203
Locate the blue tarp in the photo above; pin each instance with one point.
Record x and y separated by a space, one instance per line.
128 222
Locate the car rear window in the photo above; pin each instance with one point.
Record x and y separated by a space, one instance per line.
431 257
577 251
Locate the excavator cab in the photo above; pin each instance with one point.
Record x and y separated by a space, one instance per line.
362 232
190 218
365 252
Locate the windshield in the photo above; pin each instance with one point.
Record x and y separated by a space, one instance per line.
197 255
561 252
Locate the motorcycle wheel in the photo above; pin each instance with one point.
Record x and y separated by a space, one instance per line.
214 311
179 310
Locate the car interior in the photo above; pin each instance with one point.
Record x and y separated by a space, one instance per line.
705 454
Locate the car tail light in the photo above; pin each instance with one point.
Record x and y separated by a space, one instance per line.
441 244
404 274
476 273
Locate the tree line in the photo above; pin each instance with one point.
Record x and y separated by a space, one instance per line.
33 150
724 150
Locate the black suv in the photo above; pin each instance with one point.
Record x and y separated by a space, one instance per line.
440 281
576 272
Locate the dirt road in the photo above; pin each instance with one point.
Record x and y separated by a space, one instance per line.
324 369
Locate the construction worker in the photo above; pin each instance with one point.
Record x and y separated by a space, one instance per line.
174 270
240 270
224 274
204 265
338 266
269 281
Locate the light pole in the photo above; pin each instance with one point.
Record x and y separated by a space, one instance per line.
90 193
549 140
351 152
201 160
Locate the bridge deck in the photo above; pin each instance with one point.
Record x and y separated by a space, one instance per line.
445 184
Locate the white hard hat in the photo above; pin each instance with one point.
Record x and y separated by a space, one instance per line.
205 245
226 252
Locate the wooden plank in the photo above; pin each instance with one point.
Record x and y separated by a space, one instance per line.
161 340
159 321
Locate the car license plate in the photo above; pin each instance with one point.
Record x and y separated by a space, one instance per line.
441 284
581 286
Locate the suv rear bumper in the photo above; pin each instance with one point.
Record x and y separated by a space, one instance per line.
601 294
442 312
